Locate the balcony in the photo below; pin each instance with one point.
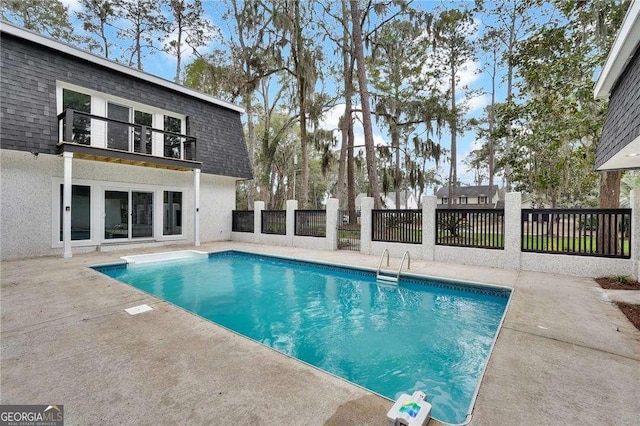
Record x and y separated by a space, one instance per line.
99 138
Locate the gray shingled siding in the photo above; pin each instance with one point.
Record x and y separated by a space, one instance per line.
622 124
28 105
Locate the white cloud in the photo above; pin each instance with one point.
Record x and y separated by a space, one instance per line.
478 103
331 118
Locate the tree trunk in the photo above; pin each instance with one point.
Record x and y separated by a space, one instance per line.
492 118
176 78
302 99
342 190
453 172
105 40
609 199
251 136
356 17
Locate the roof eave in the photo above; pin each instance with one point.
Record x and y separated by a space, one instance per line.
34 37
622 50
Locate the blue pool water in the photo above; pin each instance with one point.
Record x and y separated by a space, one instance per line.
424 335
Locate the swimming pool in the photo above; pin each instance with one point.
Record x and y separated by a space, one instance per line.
426 334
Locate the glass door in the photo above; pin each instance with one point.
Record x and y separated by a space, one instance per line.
118 133
116 215
128 215
142 143
141 214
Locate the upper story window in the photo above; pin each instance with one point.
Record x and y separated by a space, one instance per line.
81 125
172 143
445 200
462 200
482 200
104 121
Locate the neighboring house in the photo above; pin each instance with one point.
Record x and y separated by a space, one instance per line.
620 82
94 153
407 200
479 196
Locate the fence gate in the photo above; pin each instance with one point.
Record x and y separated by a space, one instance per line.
349 230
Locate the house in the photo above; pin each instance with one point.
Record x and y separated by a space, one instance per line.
96 154
407 200
619 81
479 196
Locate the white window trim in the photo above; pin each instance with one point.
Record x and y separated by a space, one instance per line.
99 101
97 211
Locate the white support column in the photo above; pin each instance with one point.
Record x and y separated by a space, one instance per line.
196 209
429 227
634 203
292 206
332 223
66 204
258 206
512 229
365 225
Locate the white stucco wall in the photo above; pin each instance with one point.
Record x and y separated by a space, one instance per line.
29 201
217 201
581 266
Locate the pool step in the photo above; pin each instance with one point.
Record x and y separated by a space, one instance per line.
386 275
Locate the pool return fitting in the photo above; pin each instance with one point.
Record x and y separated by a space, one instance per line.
411 410
387 275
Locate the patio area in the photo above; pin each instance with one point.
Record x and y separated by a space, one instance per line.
565 354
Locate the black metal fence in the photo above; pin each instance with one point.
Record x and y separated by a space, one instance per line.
274 222
397 226
311 223
349 230
584 232
242 221
481 228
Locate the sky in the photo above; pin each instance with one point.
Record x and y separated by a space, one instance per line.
472 75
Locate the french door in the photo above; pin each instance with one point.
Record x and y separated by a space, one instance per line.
128 215
125 137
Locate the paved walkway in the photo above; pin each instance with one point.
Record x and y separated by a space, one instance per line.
565 355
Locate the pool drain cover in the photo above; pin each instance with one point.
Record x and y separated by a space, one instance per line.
138 309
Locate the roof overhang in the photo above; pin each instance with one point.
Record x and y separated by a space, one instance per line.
627 158
33 37
621 52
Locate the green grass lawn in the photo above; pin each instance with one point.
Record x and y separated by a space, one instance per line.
586 244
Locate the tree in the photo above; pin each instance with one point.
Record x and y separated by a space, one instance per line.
558 123
144 23
294 21
50 17
95 17
508 22
188 27
453 50
400 82
358 49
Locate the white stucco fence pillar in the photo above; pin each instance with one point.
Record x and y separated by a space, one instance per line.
258 206
292 206
66 202
332 223
365 225
429 227
634 203
512 229
196 209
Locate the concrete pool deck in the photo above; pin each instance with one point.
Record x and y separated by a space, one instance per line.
565 355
